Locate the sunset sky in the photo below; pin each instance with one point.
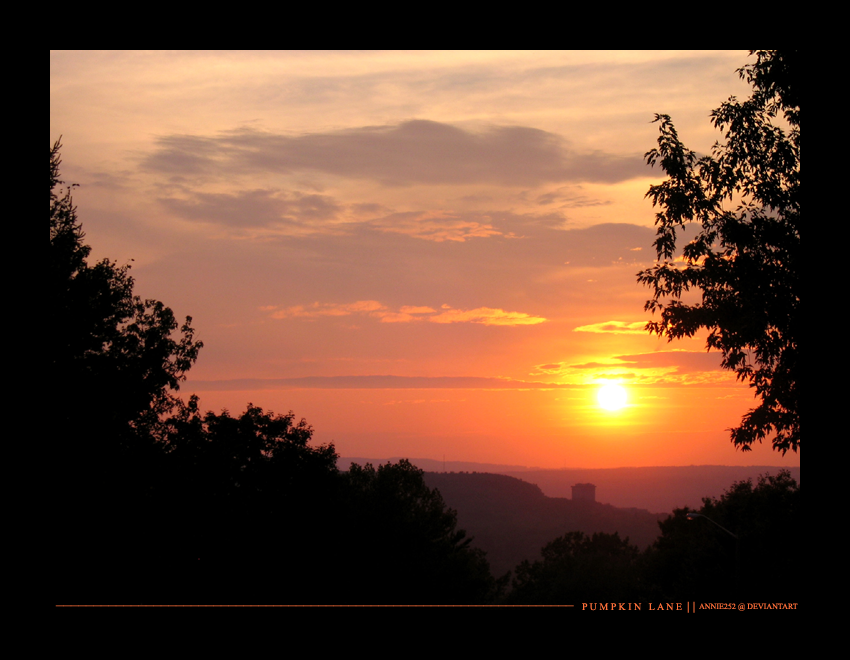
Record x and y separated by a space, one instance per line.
425 254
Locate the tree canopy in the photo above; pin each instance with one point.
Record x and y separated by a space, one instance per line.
158 501
233 488
744 199
396 526
747 545
114 363
575 568
114 359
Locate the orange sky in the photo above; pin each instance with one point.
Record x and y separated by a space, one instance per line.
423 254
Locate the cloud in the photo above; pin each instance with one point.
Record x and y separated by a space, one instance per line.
371 382
566 197
677 367
406 314
412 152
325 309
254 208
615 327
486 316
408 309
435 226
676 360
282 211
681 361
552 369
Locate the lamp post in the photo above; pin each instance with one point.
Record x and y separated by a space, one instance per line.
693 516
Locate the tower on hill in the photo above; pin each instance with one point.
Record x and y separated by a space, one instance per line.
584 492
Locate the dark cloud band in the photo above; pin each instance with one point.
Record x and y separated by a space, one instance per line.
413 152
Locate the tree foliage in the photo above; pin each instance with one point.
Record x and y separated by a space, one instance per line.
257 457
575 568
233 488
114 359
158 501
745 545
404 538
745 257
114 363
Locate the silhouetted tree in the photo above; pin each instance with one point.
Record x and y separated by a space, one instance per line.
694 559
113 365
238 488
258 452
402 545
160 502
746 261
114 361
577 568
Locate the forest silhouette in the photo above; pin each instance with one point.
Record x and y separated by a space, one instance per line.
159 502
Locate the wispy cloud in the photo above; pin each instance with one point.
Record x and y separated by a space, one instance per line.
615 327
569 197
412 152
679 367
436 226
405 314
680 360
487 316
254 208
372 382
325 309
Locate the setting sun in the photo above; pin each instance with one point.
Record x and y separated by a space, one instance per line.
612 397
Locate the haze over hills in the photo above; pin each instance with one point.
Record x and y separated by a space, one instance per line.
657 489
512 511
511 519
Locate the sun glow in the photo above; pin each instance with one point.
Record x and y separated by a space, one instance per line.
612 397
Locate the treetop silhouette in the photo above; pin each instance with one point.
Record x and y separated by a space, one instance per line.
745 255
749 548
114 360
160 501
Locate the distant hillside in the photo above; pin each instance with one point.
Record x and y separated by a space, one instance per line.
658 489
434 465
512 519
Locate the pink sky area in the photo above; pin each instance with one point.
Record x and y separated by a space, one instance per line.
425 254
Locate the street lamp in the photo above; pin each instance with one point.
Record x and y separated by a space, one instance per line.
693 515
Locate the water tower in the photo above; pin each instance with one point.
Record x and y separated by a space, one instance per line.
584 492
